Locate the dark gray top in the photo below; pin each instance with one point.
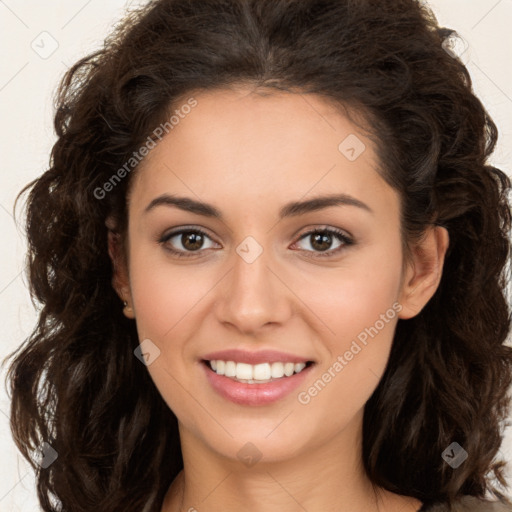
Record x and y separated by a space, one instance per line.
469 504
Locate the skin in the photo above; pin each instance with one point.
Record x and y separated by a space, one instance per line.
248 155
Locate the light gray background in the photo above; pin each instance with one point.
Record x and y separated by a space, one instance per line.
28 78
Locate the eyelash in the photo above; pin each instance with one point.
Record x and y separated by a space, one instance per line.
347 241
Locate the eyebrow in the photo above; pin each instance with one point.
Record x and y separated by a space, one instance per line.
291 209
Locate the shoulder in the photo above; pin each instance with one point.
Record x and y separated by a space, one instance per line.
470 504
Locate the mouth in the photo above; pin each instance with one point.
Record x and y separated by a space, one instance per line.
261 373
260 384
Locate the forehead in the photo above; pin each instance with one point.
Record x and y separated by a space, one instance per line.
245 146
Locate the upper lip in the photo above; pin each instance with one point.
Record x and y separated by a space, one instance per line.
262 356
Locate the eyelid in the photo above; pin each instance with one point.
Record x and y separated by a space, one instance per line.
181 229
325 227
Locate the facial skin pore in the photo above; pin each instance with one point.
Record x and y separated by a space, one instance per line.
249 155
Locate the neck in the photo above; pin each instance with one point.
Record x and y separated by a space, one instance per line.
327 477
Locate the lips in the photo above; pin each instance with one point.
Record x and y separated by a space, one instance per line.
254 394
261 356
251 392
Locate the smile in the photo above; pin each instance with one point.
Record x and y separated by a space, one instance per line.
261 388
258 373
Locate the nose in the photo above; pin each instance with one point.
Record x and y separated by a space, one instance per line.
254 293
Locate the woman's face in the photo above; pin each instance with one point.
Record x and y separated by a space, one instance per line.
256 281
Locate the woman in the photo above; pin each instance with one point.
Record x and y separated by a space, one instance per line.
270 255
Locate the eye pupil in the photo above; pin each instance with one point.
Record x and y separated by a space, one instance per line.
197 240
321 238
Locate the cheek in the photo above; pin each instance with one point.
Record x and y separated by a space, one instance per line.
358 305
164 293
165 298
353 297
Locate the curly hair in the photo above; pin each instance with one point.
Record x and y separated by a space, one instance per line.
75 382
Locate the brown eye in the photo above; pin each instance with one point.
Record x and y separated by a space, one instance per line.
186 241
191 240
321 241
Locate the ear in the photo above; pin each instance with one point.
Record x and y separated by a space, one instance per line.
423 273
120 279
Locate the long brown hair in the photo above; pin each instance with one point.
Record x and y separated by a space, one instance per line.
75 382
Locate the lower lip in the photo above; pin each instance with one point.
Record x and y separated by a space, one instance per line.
254 394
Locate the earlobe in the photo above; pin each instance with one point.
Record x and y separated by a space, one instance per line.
424 272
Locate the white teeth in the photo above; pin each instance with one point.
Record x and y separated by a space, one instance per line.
260 373
243 371
230 369
289 368
277 370
299 367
